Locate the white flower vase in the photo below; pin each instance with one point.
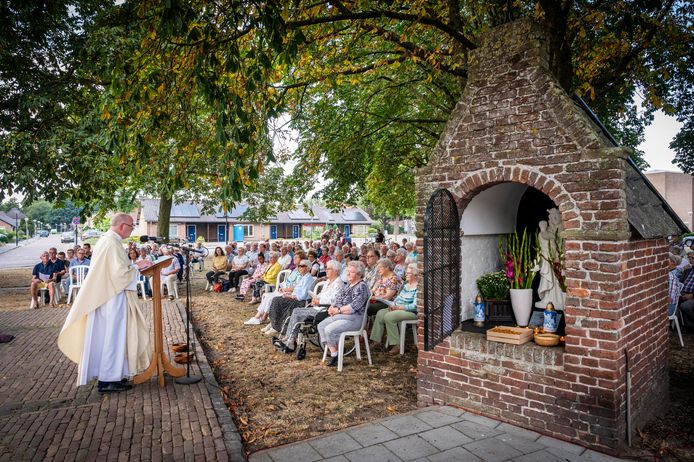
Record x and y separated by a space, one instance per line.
522 304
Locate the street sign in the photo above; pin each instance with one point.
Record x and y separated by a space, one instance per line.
75 221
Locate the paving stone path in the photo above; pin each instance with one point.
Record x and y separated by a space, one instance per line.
45 417
433 434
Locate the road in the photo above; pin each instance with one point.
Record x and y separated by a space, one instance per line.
27 256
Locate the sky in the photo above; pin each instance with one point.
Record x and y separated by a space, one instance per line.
656 141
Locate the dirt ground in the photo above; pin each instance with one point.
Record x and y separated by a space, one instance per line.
277 399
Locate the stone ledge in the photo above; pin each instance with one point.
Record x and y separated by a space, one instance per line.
475 347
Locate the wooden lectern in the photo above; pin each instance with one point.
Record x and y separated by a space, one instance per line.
160 362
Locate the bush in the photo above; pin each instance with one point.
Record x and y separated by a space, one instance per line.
494 286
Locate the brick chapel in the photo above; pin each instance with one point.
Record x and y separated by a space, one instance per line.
515 145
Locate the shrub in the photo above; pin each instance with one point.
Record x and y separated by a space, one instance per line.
494 286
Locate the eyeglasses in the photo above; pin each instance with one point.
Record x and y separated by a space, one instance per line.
128 224
302 266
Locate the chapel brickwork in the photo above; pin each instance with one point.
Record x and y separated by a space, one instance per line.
514 123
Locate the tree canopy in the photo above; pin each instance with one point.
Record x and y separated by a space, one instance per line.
179 95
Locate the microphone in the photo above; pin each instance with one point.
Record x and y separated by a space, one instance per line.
191 249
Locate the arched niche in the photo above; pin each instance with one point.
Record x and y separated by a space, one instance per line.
492 212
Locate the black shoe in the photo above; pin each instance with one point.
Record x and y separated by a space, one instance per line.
287 350
113 387
333 361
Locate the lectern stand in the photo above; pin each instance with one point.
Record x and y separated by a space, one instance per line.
160 362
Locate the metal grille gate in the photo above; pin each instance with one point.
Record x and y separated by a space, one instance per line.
441 268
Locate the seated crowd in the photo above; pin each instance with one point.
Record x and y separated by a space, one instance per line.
373 279
52 272
681 286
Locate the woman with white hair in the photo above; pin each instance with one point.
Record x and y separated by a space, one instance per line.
326 298
347 311
404 308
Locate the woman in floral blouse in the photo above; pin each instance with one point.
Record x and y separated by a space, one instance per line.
257 276
387 286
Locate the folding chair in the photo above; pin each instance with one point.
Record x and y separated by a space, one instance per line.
76 275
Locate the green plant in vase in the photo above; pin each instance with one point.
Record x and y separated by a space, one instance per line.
521 263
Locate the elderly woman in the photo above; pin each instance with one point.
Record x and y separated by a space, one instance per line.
314 264
239 267
347 311
386 287
287 286
400 263
404 308
269 276
326 298
281 307
219 266
257 276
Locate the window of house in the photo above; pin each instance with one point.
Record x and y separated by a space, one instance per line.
248 230
173 230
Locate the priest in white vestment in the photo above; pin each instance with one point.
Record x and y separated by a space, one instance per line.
105 332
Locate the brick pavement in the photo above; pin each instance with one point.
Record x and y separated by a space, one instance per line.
44 417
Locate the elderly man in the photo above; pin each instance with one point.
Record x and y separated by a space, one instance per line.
80 259
238 267
105 332
42 278
285 259
170 273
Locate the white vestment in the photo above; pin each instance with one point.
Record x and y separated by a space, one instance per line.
105 332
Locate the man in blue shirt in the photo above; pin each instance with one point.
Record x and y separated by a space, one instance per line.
42 278
81 259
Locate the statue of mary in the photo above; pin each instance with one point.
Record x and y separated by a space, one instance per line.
549 289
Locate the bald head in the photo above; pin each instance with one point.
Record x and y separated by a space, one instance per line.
122 224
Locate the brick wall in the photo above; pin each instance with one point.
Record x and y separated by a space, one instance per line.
515 124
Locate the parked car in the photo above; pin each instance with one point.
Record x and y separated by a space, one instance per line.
91 233
43 233
67 236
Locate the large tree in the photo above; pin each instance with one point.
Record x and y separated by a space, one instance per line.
368 85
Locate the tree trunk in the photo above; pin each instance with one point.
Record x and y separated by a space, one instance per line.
556 25
165 204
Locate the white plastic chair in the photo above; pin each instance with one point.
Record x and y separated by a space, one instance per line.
357 335
403 333
163 287
281 276
76 275
673 320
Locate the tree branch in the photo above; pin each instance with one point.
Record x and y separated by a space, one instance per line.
381 14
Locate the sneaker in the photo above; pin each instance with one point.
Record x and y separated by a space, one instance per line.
266 328
270 331
34 304
252 322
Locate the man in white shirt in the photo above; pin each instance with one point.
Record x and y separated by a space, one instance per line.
285 259
169 273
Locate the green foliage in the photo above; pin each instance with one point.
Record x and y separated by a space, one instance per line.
175 98
494 286
9 204
47 212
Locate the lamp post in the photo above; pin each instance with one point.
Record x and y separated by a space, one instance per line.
16 229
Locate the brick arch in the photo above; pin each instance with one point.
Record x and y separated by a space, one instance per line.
479 180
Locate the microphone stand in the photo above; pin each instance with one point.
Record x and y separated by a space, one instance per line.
188 379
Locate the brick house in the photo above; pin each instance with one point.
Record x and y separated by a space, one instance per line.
516 145
188 220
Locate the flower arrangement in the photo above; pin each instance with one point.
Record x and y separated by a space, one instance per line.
520 264
494 286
